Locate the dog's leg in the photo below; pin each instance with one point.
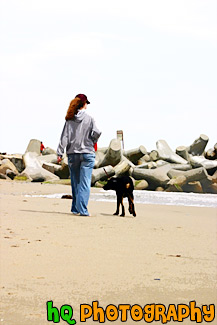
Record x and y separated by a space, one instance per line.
131 198
122 205
118 204
130 206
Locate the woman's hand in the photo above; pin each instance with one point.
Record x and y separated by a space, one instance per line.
59 158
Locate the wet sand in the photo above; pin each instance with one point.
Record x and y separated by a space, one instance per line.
167 255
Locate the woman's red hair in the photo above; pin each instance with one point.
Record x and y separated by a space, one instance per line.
74 106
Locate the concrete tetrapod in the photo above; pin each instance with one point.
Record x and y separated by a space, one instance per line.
155 177
145 165
141 185
53 168
113 155
63 172
194 187
7 164
102 173
34 146
123 167
154 155
198 146
201 161
135 154
34 170
16 159
166 153
211 153
99 158
192 175
160 163
52 158
182 151
181 166
102 149
144 159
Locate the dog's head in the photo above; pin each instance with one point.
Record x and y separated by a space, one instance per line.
111 184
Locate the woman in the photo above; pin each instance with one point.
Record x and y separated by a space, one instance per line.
79 136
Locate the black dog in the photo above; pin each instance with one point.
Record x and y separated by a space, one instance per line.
124 188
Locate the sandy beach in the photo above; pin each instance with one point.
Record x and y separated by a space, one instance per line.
166 255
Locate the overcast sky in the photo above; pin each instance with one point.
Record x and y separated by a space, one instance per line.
148 68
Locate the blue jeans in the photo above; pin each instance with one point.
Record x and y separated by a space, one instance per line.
80 168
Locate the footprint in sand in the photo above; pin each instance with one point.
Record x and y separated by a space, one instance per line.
178 255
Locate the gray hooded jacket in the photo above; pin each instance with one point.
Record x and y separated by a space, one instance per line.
79 135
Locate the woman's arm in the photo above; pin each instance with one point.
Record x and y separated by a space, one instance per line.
63 141
95 134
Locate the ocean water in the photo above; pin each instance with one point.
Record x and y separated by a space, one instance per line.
151 197
163 198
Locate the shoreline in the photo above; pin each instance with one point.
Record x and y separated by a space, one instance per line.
140 196
167 254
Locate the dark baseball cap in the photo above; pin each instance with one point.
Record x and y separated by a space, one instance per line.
83 98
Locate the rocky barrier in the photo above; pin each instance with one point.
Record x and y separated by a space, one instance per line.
189 169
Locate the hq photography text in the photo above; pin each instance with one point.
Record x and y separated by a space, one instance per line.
123 312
